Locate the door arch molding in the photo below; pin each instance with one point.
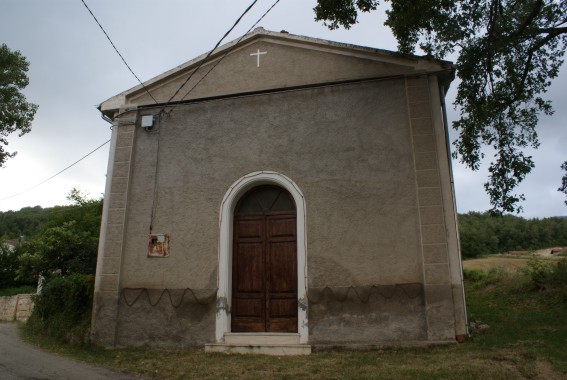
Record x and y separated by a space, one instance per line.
224 292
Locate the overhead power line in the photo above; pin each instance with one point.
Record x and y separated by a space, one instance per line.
163 108
56 174
154 205
229 50
115 49
207 57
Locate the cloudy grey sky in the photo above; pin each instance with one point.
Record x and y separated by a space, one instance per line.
73 68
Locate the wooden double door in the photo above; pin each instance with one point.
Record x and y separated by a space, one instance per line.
264 262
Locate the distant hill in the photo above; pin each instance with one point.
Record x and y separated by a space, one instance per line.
30 221
26 222
483 234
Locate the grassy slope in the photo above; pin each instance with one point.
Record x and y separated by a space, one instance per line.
507 262
487 263
526 340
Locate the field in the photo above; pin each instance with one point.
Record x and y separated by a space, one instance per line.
506 263
519 333
509 262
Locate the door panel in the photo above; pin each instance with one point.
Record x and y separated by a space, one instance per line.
281 227
250 229
264 296
283 270
250 266
251 308
248 263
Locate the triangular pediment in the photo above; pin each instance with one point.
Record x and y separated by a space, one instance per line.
263 60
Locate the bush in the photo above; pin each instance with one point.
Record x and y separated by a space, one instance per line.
539 272
549 276
63 309
484 278
559 274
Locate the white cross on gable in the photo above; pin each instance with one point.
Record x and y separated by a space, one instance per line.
257 54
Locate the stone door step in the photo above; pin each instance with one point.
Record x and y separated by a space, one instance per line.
278 344
261 349
261 338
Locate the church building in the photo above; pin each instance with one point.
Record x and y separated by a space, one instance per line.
278 195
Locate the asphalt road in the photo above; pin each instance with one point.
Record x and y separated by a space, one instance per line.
20 361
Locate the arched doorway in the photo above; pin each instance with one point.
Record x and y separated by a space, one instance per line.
264 262
226 223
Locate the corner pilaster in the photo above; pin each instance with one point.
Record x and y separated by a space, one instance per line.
109 262
439 308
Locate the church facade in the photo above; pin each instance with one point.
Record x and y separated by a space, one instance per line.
283 192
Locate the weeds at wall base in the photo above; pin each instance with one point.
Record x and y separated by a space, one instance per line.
63 310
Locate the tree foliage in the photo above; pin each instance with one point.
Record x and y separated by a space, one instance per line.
563 187
16 113
483 234
61 246
63 309
59 250
8 266
509 51
59 241
26 223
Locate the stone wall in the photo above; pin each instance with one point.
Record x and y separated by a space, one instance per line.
16 308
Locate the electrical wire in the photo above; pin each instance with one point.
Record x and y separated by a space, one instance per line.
229 50
115 49
56 174
331 294
155 194
207 57
163 108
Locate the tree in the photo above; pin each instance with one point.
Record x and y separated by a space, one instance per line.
509 51
61 250
563 187
8 265
16 114
67 243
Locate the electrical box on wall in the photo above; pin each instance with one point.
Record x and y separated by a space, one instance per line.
158 245
147 121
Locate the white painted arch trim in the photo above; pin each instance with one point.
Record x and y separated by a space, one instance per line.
224 293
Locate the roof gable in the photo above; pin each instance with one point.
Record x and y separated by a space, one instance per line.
265 60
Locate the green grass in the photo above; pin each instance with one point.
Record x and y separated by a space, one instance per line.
529 323
526 339
13 291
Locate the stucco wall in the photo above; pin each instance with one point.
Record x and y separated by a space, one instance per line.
347 149
287 63
368 172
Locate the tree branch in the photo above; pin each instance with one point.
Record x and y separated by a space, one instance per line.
533 14
554 31
531 52
489 35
